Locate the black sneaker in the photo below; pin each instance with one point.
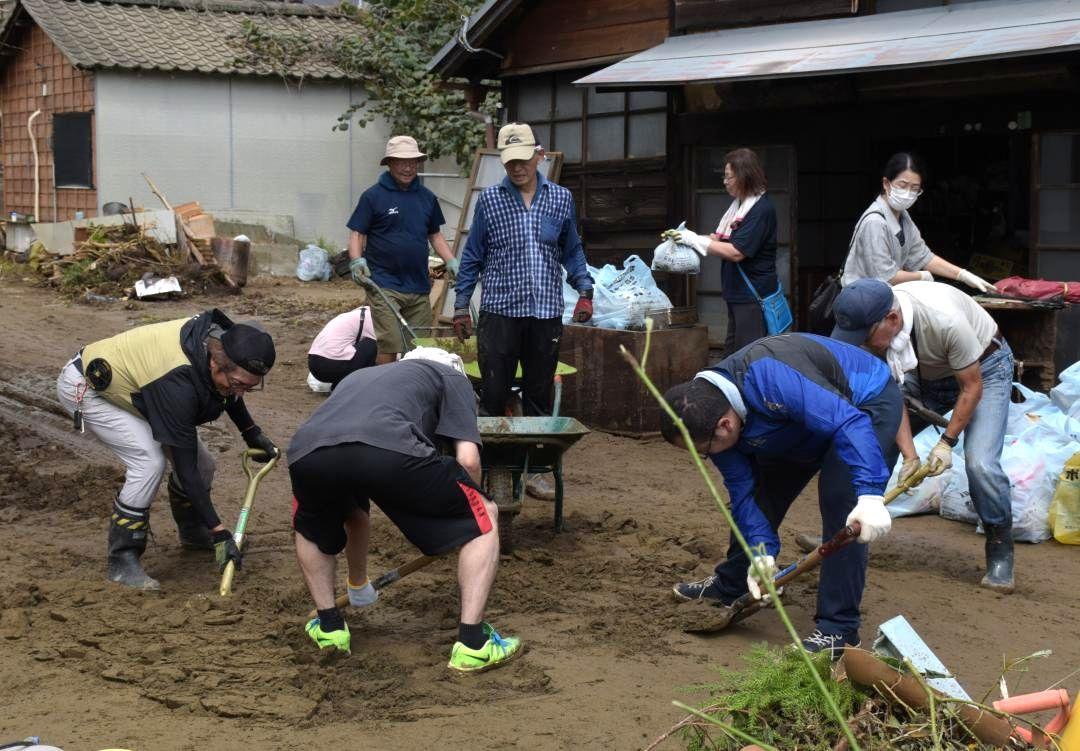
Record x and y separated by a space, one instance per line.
833 643
699 590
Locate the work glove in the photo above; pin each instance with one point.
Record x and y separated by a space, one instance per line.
700 243
363 595
452 267
925 276
583 310
907 469
462 324
256 439
755 584
940 458
225 549
872 516
361 274
966 277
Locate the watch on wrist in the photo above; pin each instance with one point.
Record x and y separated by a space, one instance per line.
949 440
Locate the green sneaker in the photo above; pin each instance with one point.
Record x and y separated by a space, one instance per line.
497 650
339 639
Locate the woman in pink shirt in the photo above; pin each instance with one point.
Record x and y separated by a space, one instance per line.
345 344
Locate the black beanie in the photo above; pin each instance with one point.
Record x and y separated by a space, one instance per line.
249 346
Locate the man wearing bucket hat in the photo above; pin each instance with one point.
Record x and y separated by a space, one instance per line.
375 440
143 393
523 230
394 222
947 351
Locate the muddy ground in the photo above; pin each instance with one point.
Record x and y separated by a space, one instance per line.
88 665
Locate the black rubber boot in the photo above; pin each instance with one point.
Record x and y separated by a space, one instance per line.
127 541
192 532
999 559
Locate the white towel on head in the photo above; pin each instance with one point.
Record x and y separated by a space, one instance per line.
731 391
434 354
901 355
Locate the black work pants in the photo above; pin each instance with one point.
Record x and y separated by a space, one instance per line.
502 342
778 484
745 325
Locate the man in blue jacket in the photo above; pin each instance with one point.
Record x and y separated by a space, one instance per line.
772 415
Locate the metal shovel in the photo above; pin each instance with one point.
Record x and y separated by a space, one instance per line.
249 501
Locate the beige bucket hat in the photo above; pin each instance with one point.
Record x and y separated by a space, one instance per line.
516 141
402 147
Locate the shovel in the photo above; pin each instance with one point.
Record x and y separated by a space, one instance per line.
746 606
249 501
402 323
386 579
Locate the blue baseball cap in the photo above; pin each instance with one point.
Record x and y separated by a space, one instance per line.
858 307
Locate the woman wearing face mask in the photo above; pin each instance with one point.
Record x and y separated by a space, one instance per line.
887 244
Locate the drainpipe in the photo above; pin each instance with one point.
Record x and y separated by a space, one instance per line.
37 177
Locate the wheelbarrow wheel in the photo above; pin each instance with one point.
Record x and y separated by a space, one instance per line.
501 490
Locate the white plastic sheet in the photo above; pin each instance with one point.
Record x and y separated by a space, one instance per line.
313 264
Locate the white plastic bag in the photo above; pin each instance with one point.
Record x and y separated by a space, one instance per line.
926 497
1039 440
1066 394
621 297
316 385
676 258
313 264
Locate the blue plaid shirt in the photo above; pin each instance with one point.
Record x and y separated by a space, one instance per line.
515 252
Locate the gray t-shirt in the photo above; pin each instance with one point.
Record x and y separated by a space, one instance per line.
950 330
404 407
876 252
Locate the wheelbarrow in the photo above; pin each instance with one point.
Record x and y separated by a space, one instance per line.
513 448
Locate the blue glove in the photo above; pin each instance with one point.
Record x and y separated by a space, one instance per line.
360 271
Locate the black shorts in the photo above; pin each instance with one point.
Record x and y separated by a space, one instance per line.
431 499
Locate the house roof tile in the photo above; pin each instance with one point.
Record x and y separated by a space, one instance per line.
182 35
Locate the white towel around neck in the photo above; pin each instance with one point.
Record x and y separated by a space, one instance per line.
737 210
901 355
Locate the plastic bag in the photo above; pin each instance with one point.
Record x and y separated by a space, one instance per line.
1066 394
317 386
313 264
1065 508
924 498
676 258
621 297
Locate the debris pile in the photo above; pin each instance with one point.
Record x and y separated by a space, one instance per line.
114 257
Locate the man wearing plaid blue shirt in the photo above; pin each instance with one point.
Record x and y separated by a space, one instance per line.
524 228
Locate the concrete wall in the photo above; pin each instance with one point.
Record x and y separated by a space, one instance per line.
236 143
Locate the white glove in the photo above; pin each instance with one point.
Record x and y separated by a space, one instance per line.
700 243
872 516
363 596
753 583
925 276
907 469
940 458
966 277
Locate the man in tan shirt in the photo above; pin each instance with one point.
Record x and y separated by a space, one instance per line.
946 350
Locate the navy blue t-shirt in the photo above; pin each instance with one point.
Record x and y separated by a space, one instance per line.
755 237
397 224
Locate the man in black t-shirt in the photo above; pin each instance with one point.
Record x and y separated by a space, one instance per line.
375 439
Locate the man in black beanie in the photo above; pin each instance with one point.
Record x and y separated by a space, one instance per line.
143 393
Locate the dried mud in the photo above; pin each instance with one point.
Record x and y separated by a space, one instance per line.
186 669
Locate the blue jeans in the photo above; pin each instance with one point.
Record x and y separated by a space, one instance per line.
778 483
984 435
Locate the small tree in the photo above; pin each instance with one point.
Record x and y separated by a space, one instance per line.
388 55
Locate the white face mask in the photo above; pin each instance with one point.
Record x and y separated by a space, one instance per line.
901 200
